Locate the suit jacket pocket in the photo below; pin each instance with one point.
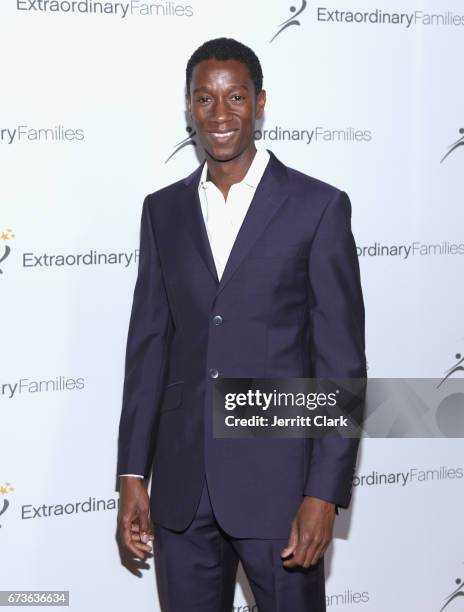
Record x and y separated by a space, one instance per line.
172 398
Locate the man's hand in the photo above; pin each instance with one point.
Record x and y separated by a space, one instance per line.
134 505
311 532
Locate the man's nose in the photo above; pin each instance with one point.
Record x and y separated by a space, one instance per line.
221 110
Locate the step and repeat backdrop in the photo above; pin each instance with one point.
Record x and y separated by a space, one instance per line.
366 95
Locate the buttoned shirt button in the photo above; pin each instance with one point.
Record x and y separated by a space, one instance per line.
213 373
217 320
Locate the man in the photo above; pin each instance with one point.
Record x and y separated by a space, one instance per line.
247 269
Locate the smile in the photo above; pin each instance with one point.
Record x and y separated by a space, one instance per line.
222 136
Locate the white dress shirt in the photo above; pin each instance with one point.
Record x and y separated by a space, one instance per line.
223 218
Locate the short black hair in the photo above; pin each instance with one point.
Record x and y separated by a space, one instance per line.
223 49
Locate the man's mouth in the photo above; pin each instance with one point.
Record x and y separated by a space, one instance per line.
222 136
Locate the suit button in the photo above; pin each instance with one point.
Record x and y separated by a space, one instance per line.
213 373
217 320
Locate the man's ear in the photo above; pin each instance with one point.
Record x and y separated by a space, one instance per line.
260 104
188 105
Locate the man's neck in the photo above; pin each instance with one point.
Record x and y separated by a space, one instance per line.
225 174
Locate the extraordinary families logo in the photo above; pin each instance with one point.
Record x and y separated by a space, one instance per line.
374 16
310 135
88 258
33 511
23 386
382 17
413 249
115 9
26 133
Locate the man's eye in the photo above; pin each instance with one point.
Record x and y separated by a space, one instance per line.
238 98
203 99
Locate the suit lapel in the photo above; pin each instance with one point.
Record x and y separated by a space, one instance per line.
194 222
269 196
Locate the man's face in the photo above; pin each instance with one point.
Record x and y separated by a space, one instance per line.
224 107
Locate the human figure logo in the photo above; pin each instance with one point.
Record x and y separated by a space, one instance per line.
5 236
457 367
291 21
4 503
458 592
189 140
455 145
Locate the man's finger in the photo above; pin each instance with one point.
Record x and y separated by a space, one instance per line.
145 531
144 526
312 560
292 541
305 542
134 550
130 546
145 548
144 537
137 550
291 546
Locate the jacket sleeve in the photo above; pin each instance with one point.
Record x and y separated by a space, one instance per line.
337 340
146 350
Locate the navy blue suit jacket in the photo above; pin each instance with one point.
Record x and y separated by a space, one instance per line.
291 305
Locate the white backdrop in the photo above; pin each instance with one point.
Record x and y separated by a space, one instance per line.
91 107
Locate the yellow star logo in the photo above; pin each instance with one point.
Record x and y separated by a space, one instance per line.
7 234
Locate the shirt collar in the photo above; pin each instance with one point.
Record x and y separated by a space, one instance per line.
251 178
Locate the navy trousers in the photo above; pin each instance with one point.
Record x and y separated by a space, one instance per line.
196 569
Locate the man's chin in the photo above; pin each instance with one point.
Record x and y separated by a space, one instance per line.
222 155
